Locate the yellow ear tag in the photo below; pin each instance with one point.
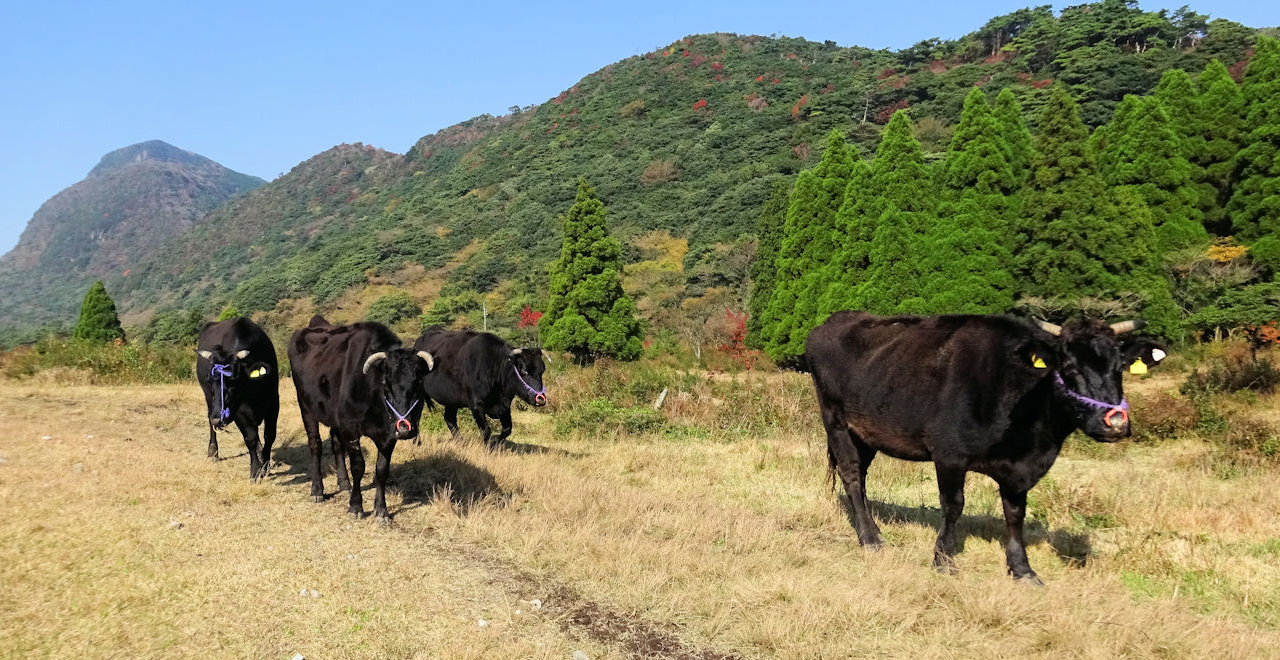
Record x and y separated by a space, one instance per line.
1037 362
255 373
1138 367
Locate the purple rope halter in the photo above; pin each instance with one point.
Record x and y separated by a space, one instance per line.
402 419
538 395
1121 408
222 371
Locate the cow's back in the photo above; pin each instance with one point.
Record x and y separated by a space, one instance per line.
914 379
467 364
327 363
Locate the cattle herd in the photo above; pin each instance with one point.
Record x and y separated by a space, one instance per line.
995 395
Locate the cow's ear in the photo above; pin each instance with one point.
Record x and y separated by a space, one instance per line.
204 354
259 370
1141 353
1036 356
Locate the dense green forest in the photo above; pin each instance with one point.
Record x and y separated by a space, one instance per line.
690 146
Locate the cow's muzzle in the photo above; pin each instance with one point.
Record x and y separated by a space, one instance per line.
540 400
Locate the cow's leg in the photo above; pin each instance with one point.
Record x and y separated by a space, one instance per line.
848 462
340 460
381 470
316 445
482 423
1015 551
451 421
505 419
250 432
951 496
213 443
356 507
268 439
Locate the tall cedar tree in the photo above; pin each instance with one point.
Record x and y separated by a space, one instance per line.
900 180
855 226
98 320
808 241
1016 136
764 268
1255 201
1076 244
1141 149
588 315
1177 94
1221 128
967 261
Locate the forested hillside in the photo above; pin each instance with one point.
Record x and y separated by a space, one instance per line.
684 145
134 200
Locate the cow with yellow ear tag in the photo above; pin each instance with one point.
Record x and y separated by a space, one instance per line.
237 372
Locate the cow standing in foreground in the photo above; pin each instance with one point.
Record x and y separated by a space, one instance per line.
357 380
988 394
236 368
482 373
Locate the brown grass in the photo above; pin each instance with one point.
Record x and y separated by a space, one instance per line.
704 539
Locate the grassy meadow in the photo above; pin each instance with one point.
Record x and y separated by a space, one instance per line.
707 530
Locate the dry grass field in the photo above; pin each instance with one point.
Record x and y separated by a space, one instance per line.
119 539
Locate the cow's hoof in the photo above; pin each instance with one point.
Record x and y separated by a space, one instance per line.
356 512
945 565
873 546
384 520
1030 579
317 498
213 458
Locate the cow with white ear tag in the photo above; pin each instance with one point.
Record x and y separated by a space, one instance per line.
237 372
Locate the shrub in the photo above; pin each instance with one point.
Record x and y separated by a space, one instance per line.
392 307
105 364
1236 369
601 416
98 319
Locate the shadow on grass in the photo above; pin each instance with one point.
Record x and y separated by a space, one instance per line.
1072 549
426 479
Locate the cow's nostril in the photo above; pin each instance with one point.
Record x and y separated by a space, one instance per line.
541 399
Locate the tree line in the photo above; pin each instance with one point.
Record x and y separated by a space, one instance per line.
1168 212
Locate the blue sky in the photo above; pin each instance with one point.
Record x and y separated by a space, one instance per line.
260 87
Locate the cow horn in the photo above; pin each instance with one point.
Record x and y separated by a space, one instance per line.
546 356
516 351
431 364
1050 328
380 355
204 354
242 354
1127 326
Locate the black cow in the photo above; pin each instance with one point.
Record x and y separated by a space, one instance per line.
236 368
482 373
988 394
357 380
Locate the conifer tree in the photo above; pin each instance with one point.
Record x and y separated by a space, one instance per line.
1141 273
808 241
1221 124
98 320
1177 96
588 315
855 227
967 262
1008 112
1142 150
1070 222
1255 200
900 181
764 268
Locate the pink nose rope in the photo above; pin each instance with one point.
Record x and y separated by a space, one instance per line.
1121 409
402 419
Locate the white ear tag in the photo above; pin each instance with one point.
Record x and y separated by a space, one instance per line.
1157 354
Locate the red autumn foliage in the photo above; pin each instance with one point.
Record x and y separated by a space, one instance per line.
795 109
700 104
697 61
735 345
719 77
760 78
886 114
560 99
684 53
828 88
716 66
1041 84
777 80
528 318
